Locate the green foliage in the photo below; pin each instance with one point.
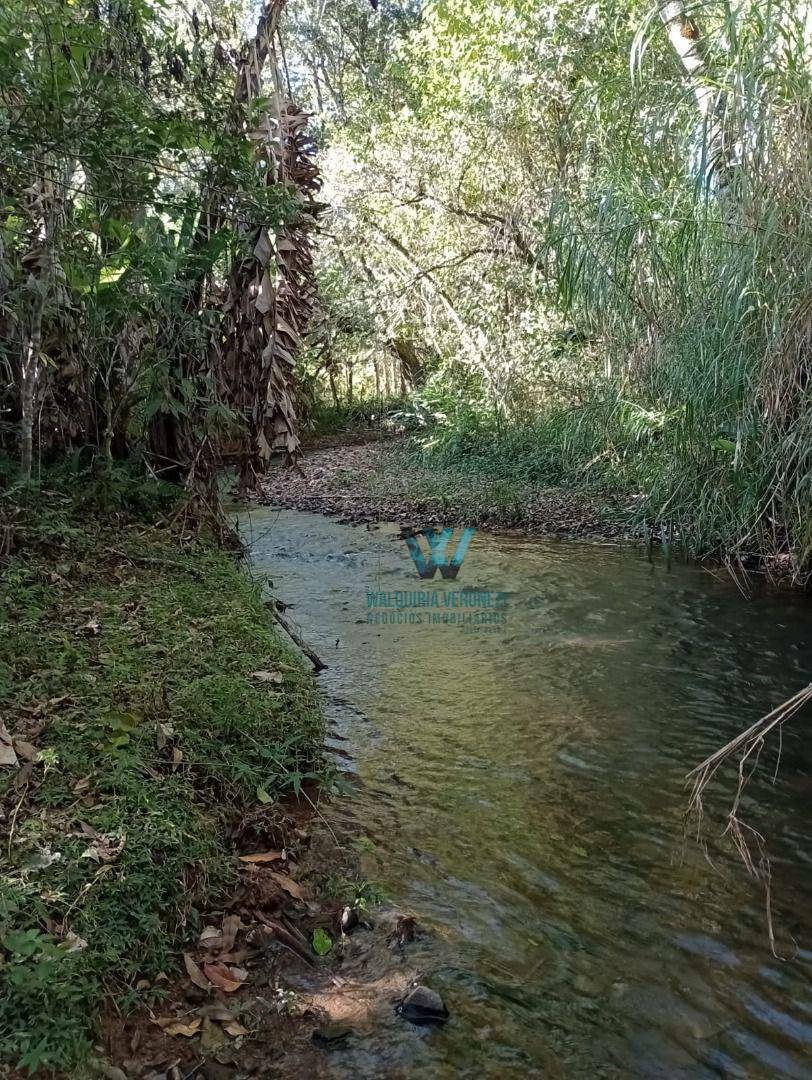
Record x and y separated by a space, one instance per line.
155 734
322 942
118 126
601 253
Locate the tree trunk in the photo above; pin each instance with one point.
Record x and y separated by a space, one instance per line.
39 262
687 40
28 386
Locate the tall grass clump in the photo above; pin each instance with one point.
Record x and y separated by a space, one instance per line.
671 257
694 273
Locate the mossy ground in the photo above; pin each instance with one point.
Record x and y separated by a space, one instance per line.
126 660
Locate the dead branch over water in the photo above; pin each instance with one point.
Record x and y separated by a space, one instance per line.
746 750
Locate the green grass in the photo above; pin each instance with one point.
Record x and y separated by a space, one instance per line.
367 414
478 485
672 458
152 732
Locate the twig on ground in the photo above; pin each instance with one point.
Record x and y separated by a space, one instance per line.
154 560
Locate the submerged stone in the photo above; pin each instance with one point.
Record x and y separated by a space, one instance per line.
331 1034
423 1006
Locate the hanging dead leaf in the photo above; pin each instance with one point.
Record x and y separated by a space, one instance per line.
224 978
263 857
195 974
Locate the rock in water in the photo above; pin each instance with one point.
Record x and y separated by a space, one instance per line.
423 1006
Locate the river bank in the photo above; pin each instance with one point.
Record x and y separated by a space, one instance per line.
380 481
162 760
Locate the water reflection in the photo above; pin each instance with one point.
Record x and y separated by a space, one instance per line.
523 786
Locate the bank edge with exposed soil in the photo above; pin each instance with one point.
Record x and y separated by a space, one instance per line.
377 481
162 858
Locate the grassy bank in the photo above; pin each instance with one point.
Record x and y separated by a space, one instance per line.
126 661
392 481
679 469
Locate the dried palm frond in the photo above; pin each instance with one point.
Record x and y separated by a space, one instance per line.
271 289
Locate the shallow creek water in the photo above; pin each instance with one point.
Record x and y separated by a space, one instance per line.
522 791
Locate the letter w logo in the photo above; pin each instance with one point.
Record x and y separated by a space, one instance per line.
438 560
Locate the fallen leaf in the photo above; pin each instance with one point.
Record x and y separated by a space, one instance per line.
222 940
194 972
173 1026
177 757
216 1011
165 734
7 754
268 676
322 942
212 1037
26 750
288 884
235 1029
263 856
224 978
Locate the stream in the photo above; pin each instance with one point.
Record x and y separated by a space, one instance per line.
520 737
